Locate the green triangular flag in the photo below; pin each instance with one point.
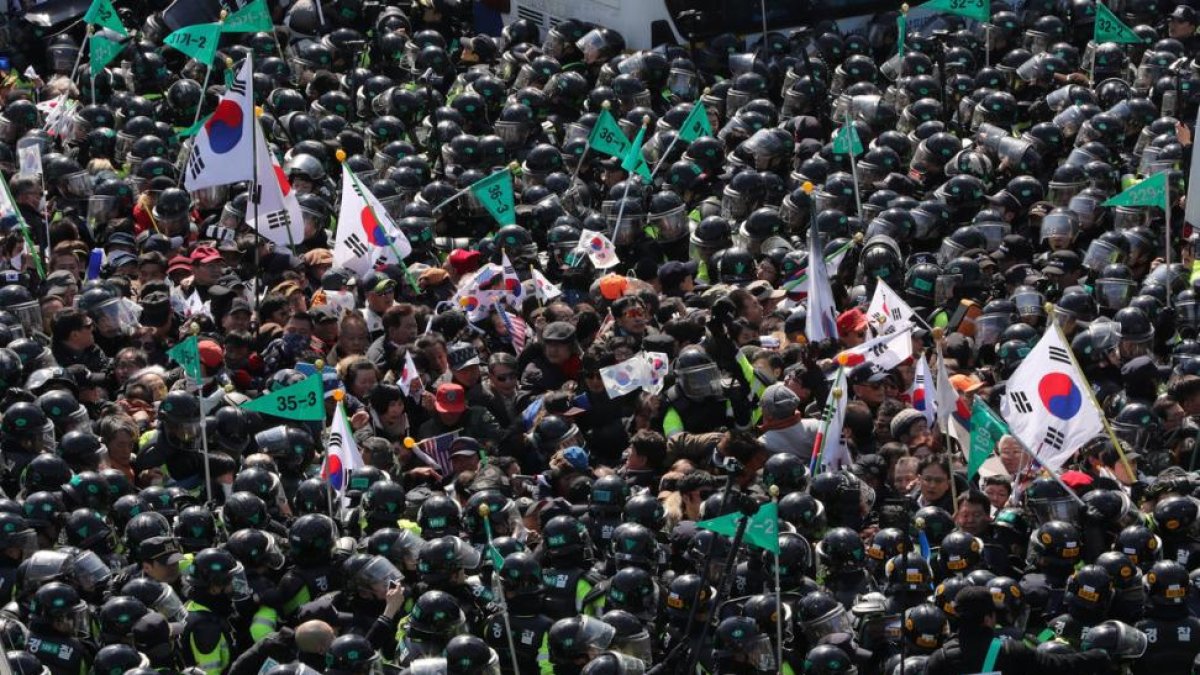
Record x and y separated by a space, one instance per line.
497 559
303 401
980 10
901 32
762 530
253 18
194 129
102 13
986 430
198 41
607 136
1149 192
496 194
103 51
633 162
1111 29
187 354
696 124
846 141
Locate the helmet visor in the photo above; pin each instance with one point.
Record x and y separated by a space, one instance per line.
1029 303
90 572
116 317
989 327
1114 293
378 575
637 646
701 381
836 621
944 287
169 605
30 316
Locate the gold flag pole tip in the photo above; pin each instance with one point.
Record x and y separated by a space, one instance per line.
774 490
485 510
409 443
340 155
338 395
195 328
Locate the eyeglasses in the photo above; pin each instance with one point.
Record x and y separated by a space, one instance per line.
933 480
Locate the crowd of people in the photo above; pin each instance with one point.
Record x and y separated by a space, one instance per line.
519 507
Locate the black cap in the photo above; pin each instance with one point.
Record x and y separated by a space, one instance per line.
337 279
559 331
324 314
1013 247
1184 13
163 550
156 309
865 373
671 274
1063 262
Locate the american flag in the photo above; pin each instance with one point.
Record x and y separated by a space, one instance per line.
517 328
436 451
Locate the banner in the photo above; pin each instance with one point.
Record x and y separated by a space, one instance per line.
762 530
1109 28
980 10
607 137
1149 192
633 162
986 430
696 124
102 52
253 18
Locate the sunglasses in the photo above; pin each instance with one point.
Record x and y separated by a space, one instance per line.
634 314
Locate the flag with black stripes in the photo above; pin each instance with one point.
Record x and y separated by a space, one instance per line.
1049 403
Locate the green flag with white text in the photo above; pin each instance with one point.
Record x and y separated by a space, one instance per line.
762 530
607 136
102 52
198 41
696 125
980 10
1149 192
187 354
253 18
1109 28
303 401
496 194
986 430
102 13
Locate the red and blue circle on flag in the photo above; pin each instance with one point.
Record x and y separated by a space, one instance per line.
334 472
225 127
1060 395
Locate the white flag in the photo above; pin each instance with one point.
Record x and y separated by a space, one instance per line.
342 456
883 353
599 249
829 445
1047 403
31 160
279 217
409 376
223 150
365 232
953 414
60 118
195 306
545 290
888 312
922 391
658 364
626 376
820 324
1191 214
512 282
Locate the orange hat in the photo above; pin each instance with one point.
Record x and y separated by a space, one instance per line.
964 384
211 354
613 286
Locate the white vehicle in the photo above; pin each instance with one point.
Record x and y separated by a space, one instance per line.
646 23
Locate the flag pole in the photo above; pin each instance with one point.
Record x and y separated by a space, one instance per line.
774 490
484 512
1025 448
200 109
937 341
827 417
854 166
79 58
1167 212
195 330
633 175
1087 387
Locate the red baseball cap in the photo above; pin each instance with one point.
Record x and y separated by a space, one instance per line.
211 354
450 399
205 254
851 321
464 261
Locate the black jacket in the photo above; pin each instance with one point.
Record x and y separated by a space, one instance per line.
966 654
